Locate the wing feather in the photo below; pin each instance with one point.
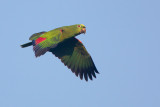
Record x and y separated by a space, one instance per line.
42 44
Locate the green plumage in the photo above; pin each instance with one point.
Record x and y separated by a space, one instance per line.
63 44
36 35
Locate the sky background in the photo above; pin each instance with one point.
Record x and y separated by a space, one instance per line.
123 38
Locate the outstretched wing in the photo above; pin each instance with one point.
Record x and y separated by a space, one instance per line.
44 42
74 55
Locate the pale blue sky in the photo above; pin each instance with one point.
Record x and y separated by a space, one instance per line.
123 38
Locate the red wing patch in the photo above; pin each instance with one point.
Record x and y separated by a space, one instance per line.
61 30
39 40
79 41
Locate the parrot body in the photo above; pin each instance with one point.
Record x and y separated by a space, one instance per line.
63 44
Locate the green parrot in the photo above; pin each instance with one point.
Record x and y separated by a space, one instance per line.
63 44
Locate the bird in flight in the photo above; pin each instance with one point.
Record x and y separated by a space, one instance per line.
62 43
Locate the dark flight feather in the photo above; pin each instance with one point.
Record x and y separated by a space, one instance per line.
74 55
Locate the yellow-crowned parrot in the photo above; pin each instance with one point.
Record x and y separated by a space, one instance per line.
63 44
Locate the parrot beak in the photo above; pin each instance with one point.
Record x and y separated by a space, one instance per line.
83 30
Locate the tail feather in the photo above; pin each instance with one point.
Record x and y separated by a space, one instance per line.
26 44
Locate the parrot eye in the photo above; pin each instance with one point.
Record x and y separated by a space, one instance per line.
79 26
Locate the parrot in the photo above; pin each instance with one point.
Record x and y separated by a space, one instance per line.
62 43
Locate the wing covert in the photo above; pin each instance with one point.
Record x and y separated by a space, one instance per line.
44 43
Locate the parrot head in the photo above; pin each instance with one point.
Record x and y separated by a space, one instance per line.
82 28
78 29
73 30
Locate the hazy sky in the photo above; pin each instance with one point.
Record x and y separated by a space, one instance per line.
123 38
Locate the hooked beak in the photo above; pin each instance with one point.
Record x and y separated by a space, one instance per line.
83 30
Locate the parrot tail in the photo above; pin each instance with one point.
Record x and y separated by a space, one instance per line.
26 44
